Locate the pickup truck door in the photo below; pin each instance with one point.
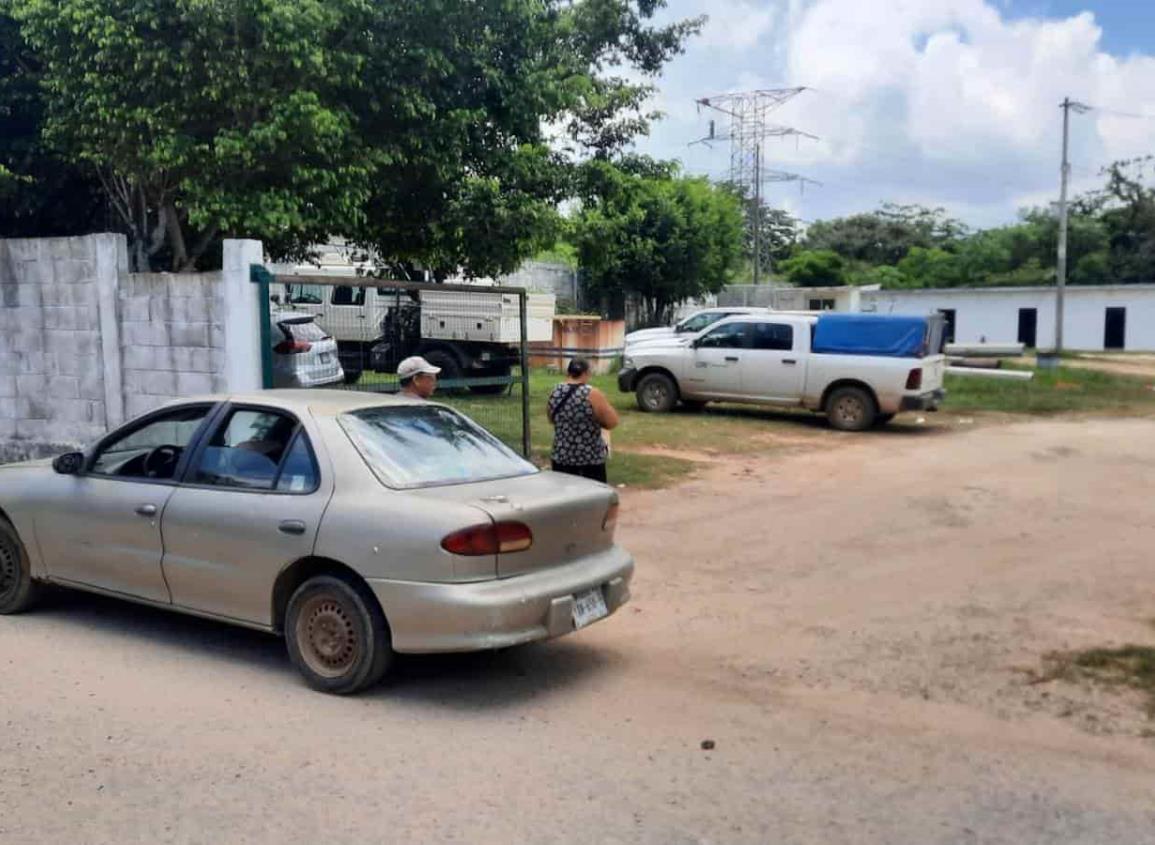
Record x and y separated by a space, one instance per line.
716 363
774 365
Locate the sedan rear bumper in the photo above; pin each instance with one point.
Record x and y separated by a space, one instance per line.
428 617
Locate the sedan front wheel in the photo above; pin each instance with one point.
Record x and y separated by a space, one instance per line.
337 635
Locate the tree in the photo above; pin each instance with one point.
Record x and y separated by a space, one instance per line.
814 268
662 239
1126 207
41 192
419 131
887 235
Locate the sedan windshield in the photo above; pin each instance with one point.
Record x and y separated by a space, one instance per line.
424 445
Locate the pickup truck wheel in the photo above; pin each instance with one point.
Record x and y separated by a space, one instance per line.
850 409
450 369
18 592
337 635
657 393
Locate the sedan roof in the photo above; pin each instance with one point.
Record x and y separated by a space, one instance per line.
321 403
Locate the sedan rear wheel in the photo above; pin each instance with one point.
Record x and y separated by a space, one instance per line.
657 393
337 635
18 591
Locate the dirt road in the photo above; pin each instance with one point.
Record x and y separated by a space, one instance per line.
852 627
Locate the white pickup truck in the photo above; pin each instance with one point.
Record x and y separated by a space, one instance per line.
858 369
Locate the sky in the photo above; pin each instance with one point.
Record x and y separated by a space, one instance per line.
951 103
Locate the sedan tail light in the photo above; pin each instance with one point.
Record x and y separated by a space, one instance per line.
489 539
914 380
611 520
292 347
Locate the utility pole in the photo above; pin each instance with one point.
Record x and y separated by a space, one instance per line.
748 133
1061 263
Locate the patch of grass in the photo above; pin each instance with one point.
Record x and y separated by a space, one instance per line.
1065 390
1130 666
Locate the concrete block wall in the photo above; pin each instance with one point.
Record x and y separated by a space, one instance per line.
85 345
52 360
172 337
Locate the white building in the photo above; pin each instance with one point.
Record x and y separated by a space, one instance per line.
1095 318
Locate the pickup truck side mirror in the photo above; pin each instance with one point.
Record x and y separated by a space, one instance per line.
69 463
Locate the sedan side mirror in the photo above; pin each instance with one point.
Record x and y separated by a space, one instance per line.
69 463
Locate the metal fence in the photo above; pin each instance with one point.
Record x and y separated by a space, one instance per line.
476 334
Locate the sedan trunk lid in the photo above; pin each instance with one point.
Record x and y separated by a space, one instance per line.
566 514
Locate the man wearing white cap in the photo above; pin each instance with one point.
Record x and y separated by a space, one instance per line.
418 377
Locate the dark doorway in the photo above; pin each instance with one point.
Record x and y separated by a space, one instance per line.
1115 330
1028 326
948 315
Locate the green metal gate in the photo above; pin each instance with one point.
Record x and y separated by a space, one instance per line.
477 334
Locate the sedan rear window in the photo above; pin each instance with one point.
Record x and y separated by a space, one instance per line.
427 445
306 330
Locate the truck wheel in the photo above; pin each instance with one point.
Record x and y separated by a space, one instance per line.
851 409
18 591
337 635
491 389
450 369
657 393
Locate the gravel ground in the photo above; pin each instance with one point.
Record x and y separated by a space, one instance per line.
853 628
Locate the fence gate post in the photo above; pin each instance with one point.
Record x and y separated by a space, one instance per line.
523 308
261 277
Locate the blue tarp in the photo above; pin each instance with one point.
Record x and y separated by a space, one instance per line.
895 335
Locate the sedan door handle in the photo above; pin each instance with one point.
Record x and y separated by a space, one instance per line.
291 526
731 357
146 510
790 361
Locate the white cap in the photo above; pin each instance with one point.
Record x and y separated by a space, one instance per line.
412 366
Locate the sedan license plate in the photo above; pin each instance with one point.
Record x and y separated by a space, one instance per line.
588 607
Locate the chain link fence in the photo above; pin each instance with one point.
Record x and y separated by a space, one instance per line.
351 333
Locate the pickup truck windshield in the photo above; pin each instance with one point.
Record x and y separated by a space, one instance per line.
426 445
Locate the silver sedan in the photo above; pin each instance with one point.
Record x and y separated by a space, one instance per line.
356 526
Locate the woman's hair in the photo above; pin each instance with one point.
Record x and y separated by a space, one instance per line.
578 367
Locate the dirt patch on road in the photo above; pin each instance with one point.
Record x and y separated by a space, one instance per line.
927 567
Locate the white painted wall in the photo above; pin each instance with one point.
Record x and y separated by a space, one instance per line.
993 313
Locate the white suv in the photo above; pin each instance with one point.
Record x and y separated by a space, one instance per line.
691 325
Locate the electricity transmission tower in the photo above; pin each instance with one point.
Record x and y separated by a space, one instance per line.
747 113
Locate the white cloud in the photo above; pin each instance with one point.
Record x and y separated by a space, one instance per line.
946 100
737 25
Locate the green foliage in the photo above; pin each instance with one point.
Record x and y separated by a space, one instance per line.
660 239
885 236
814 268
417 131
1110 239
